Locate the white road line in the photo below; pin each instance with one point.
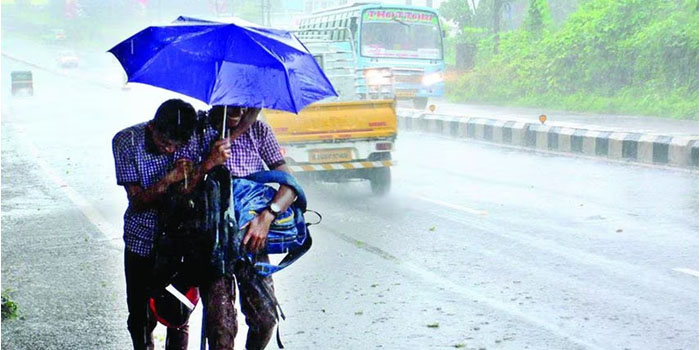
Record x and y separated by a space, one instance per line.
450 205
92 214
688 271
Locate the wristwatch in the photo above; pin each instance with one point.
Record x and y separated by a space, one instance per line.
274 208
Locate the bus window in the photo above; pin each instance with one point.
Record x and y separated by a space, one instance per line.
336 24
353 27
344 33
401 33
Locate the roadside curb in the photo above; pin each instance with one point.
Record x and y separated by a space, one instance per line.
677 151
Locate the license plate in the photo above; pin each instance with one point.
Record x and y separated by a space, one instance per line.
405 93
330 155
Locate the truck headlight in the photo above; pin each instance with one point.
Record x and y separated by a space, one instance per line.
377 76
432 78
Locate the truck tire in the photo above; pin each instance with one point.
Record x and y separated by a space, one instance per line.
420 102
380 181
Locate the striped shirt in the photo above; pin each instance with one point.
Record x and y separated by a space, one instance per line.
250 152
134 164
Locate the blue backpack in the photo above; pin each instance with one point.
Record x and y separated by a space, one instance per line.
230 205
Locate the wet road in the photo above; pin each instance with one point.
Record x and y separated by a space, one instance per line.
476 247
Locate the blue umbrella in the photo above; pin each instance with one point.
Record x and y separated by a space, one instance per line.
225 64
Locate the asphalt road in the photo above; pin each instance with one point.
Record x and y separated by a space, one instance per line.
476 247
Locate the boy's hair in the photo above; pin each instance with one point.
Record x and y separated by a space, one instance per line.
175 119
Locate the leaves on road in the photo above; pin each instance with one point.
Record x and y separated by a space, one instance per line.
9 307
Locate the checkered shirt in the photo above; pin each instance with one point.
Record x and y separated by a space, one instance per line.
250 152
134 165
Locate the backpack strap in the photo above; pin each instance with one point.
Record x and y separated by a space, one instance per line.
267 269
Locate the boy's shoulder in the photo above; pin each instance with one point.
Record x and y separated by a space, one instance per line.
131 135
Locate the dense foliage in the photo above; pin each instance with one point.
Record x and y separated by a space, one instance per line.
632 57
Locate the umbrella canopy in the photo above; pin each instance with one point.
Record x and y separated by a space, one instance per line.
225 64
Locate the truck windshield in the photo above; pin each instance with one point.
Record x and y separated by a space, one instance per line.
400 33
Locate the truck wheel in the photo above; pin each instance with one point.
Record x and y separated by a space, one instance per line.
380 180
420 102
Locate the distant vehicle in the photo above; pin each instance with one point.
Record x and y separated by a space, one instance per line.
67 59
22 83
59 34
392 49
54 36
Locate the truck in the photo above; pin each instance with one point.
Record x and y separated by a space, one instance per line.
22 83
339 141
351 136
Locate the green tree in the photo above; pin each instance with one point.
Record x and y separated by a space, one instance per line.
458 11
633 56
538 17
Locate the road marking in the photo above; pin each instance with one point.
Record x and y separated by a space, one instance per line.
688 271
450 205
93 215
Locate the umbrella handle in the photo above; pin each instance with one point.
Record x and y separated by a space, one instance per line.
223 124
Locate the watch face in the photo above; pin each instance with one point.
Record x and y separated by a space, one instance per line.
275 208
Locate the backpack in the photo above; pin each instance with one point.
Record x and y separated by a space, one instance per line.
232 203
179 255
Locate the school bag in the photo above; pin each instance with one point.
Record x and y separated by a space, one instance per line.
230 206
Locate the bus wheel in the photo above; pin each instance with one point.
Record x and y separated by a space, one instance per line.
420 102
380 180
